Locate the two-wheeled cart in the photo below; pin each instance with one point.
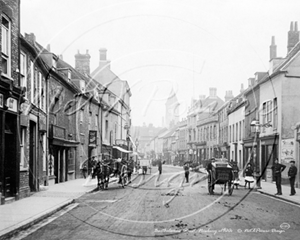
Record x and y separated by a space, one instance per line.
221 173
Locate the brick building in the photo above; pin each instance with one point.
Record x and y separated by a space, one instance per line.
10 100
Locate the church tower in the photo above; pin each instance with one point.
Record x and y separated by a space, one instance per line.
172 110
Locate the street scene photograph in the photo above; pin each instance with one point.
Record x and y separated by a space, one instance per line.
149 119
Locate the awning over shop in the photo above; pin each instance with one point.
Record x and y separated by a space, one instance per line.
122 149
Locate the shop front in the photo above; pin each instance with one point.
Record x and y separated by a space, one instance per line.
9 142
63 152
269 152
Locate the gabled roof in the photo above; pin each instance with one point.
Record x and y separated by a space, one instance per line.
110 80
209 103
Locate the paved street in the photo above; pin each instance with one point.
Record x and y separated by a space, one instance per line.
170 210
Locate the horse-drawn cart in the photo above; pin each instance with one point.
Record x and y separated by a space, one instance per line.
145 164
220 172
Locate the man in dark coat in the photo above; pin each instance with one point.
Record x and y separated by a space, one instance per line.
292 176
186 168
130 169
159 163
277 169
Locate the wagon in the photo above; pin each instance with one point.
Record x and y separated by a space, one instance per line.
145 164
220 172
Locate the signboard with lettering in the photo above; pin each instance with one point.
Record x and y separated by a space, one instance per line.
287 150
120 142
11 103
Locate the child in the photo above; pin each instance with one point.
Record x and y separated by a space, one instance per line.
249 175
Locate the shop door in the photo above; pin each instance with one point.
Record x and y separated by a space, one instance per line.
32 157
10 157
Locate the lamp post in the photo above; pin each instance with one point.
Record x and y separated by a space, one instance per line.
255 128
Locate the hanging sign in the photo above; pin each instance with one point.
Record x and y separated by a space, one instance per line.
11 103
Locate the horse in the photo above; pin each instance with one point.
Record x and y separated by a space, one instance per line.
103 171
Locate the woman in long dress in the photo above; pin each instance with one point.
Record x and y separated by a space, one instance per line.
249 175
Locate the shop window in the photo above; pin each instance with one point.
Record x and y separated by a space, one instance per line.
23 71
6 46
23 160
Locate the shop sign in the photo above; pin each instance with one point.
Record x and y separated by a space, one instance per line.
287 150
93 137
120 142
11 103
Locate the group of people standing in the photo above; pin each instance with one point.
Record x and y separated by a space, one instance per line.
277 168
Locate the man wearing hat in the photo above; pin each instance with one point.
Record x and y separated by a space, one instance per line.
292 176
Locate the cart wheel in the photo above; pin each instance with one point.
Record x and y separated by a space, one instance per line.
230 188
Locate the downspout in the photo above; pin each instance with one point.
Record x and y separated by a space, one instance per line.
18 118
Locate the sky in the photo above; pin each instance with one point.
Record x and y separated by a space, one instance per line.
160 45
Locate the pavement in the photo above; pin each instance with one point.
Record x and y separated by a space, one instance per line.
25 212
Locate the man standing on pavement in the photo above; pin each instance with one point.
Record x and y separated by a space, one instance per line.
159 166
186 168
292 176
277 169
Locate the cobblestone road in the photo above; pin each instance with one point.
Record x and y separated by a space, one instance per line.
150 208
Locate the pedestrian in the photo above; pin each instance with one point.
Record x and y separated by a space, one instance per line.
83 169
292 176
210 169
249 175
278 168
129 169
186 168
236 170
159 166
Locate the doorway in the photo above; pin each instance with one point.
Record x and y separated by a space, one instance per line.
32 157
10 156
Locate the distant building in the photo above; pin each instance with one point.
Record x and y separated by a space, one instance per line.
172 110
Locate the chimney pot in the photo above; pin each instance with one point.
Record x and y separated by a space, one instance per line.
103 54
293 37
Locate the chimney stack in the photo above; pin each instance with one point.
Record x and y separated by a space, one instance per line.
30 38
201 97
273 49
103 63
242 88
82 62
293 36
228 95
102 54
212 92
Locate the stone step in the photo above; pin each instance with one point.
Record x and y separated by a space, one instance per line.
9 200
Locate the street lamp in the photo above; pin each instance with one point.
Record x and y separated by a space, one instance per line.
255 128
